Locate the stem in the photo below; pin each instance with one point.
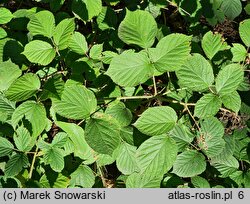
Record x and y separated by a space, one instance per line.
195 122
129 97
33 163
184 11
102 176
155 88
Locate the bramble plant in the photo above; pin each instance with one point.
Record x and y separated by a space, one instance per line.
120 93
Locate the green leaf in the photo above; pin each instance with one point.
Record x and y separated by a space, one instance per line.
63 33
126 160
138 28
122 114
107 56
247 9
34 112
189 163
156 120
200 182
9 72
102 133
107 19
231 8
78 43
171 52
182 136
96 51
40 52
232 101
3 33
6 107
77 102
23 140
156 155
86 9
76 135
42 23
212 44
23 87
239 52
229 148
59 140
83 176
207 105
210 139
244 30
137 180
229 79
55 158
104 159
226 166
6 148
130 69
55 5
52 88
196 74
5 15
16 164
54 180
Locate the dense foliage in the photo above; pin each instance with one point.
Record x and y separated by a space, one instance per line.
124 93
